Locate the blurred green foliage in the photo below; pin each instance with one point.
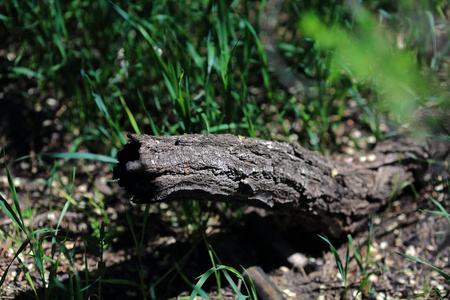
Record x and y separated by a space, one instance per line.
368 56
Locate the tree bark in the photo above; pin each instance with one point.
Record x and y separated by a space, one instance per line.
326 194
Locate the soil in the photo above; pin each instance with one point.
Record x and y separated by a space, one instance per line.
172 249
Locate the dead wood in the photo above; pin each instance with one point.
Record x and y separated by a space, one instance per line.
264 286
326 195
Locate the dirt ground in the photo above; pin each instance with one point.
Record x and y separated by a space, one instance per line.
251 240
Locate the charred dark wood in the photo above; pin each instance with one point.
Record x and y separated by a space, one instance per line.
325 194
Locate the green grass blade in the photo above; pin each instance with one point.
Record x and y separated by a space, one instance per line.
197 288
439 213
170 87
17 218
213 254
149 117
63 213
82 155
129 113
103 109
227 276
337 258
443 211
122 281
252 289
38 255
421 295
12 215
28 277
444 274
263 58
20 250
4 18
101 105
356 254
205 121
123 14
27 72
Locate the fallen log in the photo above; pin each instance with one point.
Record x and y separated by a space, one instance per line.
326 195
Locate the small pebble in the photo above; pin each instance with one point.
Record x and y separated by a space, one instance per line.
371 157
411 250
371 139
290 294
51 216
392 226
439 188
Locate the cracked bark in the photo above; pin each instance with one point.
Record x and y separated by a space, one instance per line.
326 195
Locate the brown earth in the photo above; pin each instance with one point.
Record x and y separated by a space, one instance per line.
168 241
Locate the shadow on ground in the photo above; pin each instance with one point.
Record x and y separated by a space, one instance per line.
253 240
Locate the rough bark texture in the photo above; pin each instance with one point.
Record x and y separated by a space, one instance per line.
326 195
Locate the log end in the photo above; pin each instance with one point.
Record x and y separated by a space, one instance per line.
129 171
